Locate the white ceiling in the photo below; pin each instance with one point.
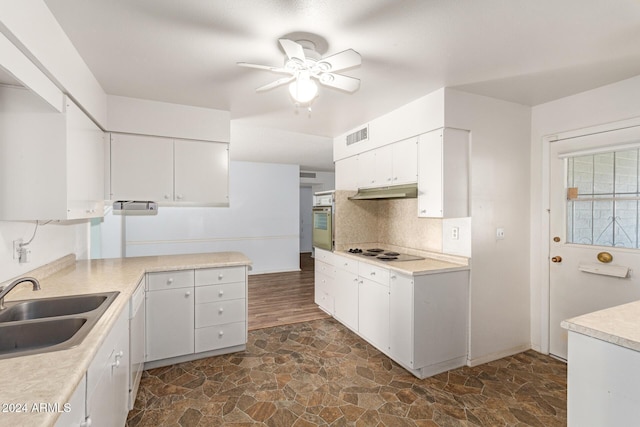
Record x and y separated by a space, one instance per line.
185 52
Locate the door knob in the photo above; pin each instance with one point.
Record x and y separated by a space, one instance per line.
556 259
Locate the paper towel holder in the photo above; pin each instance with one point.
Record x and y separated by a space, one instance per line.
605 257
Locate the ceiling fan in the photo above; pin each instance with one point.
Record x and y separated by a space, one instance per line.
304 65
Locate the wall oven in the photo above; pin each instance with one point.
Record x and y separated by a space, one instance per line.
323 235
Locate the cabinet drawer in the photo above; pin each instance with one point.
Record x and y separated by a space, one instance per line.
217 313
214 276
221 336
375 273
169 280
325 269
348 264
324 256
226 291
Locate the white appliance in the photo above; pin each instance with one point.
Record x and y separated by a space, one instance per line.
136 340
323 227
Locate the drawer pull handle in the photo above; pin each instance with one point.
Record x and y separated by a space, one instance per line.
170 280
187 294
220 276
221 310
220 293
221 333
373 273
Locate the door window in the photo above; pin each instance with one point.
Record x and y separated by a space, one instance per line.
603 196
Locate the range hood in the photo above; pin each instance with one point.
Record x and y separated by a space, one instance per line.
408 191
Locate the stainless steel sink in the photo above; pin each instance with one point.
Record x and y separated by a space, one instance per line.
49 324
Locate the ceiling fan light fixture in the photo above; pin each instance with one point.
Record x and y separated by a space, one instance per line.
303 90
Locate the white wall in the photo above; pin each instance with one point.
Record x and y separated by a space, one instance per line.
611 103
499 306
262 221
52 241
140 116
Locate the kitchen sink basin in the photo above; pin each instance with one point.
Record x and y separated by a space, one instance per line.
52 307
49 324
20 337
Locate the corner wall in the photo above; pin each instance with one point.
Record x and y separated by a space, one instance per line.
500 140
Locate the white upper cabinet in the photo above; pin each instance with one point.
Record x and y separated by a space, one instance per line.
347 173
392 164
51 163
201 172
141 168
171 171
443 174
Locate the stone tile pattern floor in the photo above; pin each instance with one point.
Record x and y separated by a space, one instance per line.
321 374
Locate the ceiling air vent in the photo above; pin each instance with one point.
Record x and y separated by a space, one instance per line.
307 175
359 135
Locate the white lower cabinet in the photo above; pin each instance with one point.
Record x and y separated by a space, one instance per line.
169 315
324 279
346 297
195 311
418 321
75 416
107 401
373 313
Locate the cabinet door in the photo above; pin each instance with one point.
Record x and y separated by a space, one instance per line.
76 415
405 161
201 172
347 177
85 165
373 313
170 323
367 169
430 175
383 170
345 302
401 318
141 168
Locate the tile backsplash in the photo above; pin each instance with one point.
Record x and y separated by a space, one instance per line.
393 221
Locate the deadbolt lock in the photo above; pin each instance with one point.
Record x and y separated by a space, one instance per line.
556 259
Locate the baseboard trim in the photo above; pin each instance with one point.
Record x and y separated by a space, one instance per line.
193 356
498 355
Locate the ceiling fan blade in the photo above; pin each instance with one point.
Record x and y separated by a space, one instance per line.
263 67
340 61
338 81
292 49
277 83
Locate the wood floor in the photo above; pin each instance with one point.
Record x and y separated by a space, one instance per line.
283 298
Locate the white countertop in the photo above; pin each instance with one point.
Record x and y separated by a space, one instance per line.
53 377
618 325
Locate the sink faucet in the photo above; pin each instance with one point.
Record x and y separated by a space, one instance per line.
4 291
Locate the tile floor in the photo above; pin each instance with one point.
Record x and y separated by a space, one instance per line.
319 373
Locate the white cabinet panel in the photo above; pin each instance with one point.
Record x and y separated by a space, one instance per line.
401 318
443 174
347 177
373 313
226 291
76 415
170 323
51 163
220 312
220 336
383 170
108 378
346 298
405 161
367 169
141 168
169 170
212 276
170 280
201 172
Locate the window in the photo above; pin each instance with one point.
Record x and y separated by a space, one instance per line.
603 198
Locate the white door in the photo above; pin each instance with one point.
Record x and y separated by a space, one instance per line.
594 209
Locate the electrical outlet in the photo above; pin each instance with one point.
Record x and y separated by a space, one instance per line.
455 233
17 249
499 233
